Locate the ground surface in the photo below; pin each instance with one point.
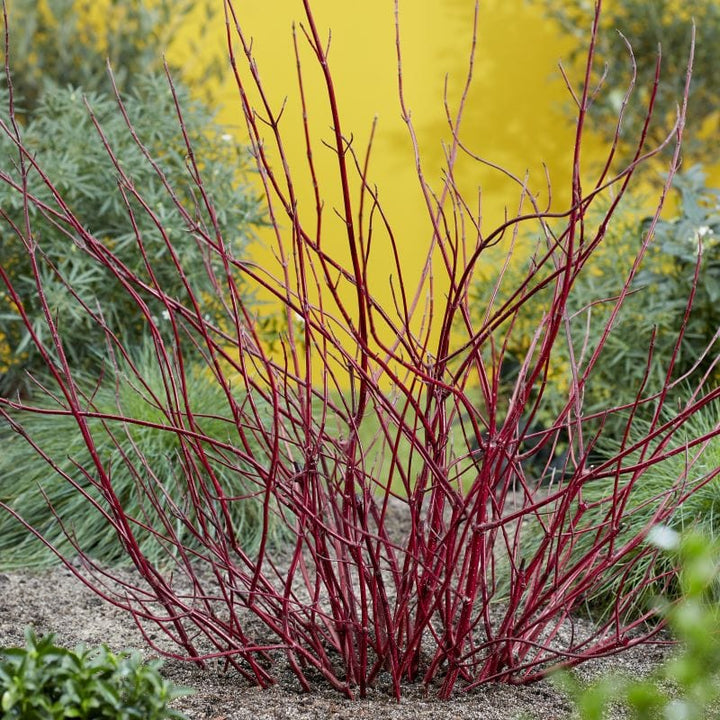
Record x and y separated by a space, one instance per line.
55 601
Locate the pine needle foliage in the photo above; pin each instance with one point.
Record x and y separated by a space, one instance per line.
149 459
622 510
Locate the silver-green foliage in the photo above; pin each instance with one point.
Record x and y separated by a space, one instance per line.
652 28
637 354
69 150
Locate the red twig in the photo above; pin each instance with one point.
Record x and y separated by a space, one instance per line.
351 598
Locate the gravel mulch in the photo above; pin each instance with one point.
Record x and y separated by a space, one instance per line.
55 601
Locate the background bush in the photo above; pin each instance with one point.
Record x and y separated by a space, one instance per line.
65 143
647 25
653 315
651 318
59 52
69 42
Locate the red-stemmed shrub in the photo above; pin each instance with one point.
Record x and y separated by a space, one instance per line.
406 560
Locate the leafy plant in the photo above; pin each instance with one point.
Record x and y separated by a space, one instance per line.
155 241
161 473
685 687
43 681
621 368
358 597
664 335
688 243
656 31
69 43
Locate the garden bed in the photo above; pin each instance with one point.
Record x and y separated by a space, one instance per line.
55 601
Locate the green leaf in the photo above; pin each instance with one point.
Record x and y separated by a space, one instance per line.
50 682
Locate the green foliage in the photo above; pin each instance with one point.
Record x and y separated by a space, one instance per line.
687 686
674 256
43 681
652 313
646 25
66 145
154 481
69 42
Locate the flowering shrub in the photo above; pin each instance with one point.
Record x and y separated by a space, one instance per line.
395 538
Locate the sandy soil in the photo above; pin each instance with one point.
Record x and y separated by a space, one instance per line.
55 601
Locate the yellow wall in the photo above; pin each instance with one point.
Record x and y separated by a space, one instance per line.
516 115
